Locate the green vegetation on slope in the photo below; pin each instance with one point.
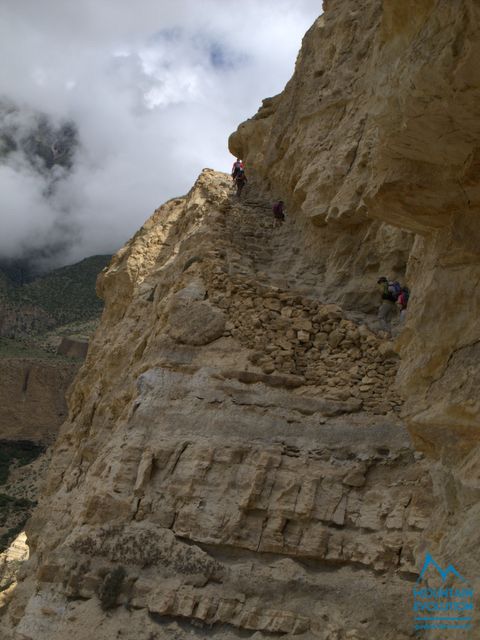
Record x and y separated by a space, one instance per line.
20 452
14 510
66 294
22 348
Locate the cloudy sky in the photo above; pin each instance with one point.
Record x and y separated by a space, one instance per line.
154 86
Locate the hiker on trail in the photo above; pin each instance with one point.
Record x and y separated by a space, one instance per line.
236 168
402 302
240 181
387 310
278 213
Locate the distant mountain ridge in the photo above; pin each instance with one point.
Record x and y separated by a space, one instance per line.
51 300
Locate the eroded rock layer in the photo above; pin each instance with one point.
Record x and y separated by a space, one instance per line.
380 126
32 397
209 474
234 463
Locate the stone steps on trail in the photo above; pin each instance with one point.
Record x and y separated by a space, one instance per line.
266 251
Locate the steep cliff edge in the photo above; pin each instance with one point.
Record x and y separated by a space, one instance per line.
233 456
379 126
234 463
312 145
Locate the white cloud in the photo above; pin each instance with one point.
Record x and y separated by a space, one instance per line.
154 87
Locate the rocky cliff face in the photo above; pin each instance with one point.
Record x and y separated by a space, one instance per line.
379 127
234 462
233 457
32 408
312 146
32 397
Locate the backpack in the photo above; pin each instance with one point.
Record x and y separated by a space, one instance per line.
237 167
391 291
405 296
395 288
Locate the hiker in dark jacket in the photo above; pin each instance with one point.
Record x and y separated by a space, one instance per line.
236 168
278 213
240 181
387 310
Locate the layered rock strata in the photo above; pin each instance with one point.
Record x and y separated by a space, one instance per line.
199 484
312 145
32 397
210 472
379 126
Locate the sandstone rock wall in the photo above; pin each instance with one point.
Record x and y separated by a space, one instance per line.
209 476
73 347
312 146
406 79
380 126
234 462
32 397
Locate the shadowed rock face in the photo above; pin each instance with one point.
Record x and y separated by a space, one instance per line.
312 145
73 347
32 397
380 125
233 455
244 467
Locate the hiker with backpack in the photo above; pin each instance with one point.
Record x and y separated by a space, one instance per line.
278 213
402 302
236 168
240 181
390 290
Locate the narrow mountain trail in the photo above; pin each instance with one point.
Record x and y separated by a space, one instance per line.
270 251
276 255
234 449
270 290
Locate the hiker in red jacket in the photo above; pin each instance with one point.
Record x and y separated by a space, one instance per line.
236 168
402 302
